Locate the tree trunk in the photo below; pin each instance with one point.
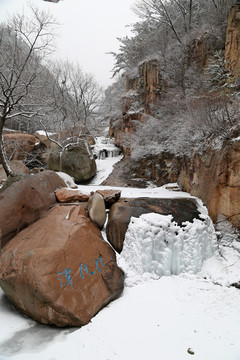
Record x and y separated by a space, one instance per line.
3 156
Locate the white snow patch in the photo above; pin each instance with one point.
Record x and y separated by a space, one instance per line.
104 169
236 139
130 192
224 267
158 319
67 178
43 132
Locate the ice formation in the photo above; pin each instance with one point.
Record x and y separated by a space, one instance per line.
105 148
156 244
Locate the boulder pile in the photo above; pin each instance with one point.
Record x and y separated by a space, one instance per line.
54 264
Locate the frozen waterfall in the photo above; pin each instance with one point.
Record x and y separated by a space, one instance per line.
156 244
105 148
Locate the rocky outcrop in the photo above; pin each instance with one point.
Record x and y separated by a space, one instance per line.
232 46
76 160
161 169
143 90
203 48
120 214
214 177
25 201
58 270
143 93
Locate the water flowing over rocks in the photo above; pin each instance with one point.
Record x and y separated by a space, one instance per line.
104 148
59 270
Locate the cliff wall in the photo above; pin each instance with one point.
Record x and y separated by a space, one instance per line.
214 177
143 92
232 46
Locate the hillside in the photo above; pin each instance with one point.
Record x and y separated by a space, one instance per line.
176 115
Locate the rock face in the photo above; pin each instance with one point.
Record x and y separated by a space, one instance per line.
162 169
18 145
120 214
232 46
203 48
143 92
214 177
58 270
97 209
25 201
76 161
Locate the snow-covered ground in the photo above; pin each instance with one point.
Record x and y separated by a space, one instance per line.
192 315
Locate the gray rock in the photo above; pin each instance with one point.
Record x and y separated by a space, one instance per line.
97 209
76 160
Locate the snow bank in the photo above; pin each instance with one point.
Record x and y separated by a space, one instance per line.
224 268
67 178
156 244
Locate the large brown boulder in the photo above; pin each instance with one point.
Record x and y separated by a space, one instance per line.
66 195
19 145
121 212
58 270
25 201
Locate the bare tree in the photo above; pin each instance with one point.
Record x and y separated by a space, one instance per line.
75 94
24 43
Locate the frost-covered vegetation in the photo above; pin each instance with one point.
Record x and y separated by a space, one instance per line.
35 91
199 103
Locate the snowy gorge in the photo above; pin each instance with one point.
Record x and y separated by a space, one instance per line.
160 315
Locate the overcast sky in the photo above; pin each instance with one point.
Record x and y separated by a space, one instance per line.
89 30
